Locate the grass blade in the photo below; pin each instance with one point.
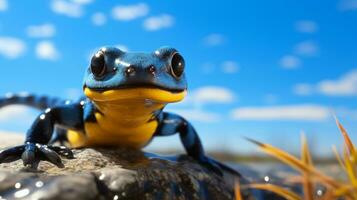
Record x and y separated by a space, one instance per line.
296 163
238 195
338 157
307 160
351 148
350 168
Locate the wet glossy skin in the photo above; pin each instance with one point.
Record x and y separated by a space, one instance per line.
125 97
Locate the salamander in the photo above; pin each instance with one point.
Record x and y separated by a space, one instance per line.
125 94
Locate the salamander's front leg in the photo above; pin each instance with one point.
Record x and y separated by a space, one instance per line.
171 124
35 148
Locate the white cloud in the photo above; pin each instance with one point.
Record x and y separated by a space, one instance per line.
99 19
306 26
348 5
344 86
67 8
130 12
46 50
212 94
230 67
292 112
83 2
11 47
19 113
197 115
303 89
307 48
214 39
158 22
193 107
41 31
290 62
3 5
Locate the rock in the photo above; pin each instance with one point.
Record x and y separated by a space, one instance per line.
105 173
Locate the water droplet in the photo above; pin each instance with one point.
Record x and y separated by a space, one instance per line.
39 184
18 185
48 110
130 71
266 178
148 102
97 55
319 192
152 69
117 61
82 103
22 193
42 117
116 197
102 177
67 102
157 52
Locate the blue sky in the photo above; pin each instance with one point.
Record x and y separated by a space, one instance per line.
262 69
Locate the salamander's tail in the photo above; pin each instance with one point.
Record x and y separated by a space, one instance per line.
226 168
35 101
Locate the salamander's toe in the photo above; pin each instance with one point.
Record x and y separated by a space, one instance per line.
29 156
63 151
11 154
51 156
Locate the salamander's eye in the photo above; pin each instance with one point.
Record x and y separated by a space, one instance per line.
97 65
177 65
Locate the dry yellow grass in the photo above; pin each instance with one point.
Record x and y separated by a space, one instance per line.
310 176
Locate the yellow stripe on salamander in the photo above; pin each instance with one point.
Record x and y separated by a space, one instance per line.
125 118
76 139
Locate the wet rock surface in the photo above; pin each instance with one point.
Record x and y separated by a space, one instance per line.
114 174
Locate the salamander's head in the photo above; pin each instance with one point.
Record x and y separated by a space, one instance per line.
115 75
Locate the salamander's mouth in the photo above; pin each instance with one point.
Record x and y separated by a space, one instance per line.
154 93
137 86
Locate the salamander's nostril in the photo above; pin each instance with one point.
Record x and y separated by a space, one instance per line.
152 69
130 71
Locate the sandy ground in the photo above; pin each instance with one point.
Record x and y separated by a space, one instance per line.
10 139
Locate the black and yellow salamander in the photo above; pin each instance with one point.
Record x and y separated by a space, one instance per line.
125 94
